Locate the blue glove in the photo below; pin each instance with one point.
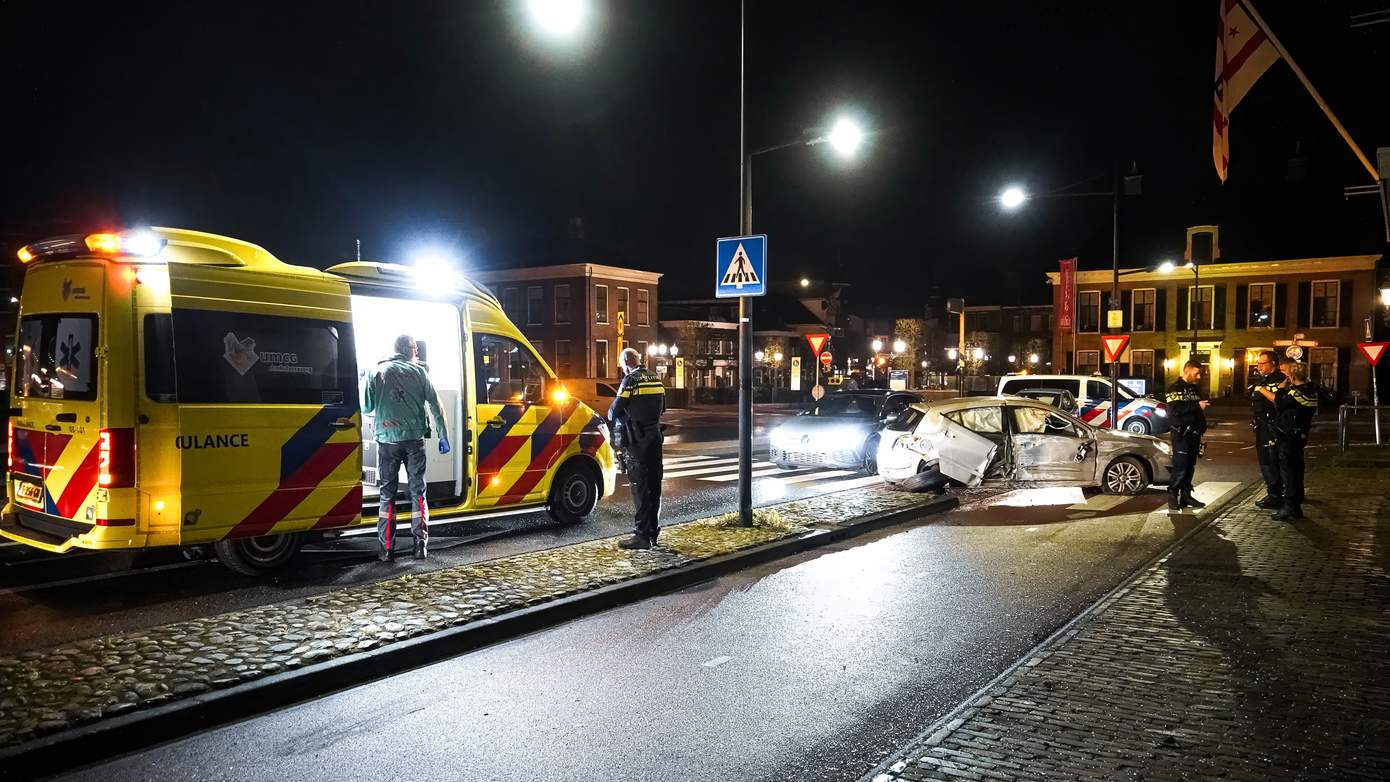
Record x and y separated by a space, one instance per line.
443 444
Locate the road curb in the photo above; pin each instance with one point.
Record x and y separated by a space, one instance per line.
954 718
110 738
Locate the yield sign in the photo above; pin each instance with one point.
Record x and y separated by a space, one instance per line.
1115 345
1373 350
817 342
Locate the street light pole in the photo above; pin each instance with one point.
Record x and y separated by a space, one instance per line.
1114 294
745 307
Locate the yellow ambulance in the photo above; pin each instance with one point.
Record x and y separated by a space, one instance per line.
178 388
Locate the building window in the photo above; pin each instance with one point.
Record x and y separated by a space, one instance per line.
1322 366
1035 323
643 307
642 349
1087 361
1141 364
562 304
1261 315
600 303
1018 323
1200 301
562 358
1325 303
1088 312
622 305
601 358
535 304
511 304
1143 309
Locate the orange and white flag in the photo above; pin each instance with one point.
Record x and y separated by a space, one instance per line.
1243 54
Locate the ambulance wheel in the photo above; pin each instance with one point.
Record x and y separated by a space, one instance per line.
1137 425
574 494
258 556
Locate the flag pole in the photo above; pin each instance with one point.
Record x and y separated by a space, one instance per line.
1317 97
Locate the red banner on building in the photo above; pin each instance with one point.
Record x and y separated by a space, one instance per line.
1067 283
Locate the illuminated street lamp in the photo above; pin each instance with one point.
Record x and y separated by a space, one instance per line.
558 19
805 283
758 356
951 353
1012 358
651 349
877 345
1033 358
777 357
845 137
1012 197
899 346
977 353
674 351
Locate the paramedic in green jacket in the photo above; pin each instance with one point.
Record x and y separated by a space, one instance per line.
397 392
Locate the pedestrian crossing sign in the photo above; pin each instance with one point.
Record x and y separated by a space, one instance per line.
740 266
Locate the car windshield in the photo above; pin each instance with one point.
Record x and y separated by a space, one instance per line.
847 405
905 421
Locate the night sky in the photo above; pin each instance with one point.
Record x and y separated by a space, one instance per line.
303 126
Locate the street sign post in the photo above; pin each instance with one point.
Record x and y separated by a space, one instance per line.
1373 351
817 343
740 271
740 266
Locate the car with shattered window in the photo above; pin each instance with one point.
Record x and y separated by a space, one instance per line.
841 430
1012 439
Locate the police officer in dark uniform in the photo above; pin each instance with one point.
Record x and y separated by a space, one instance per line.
636 420
1187 416
1267 382
1295 404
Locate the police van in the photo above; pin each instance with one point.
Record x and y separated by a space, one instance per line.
178 388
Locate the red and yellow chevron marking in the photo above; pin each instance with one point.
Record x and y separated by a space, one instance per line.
520 462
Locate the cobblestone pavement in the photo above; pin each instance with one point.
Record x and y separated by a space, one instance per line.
1257 650
48 690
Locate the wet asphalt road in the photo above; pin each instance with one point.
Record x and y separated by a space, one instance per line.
814 667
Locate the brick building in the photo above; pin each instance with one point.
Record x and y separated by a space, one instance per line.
570 313
1237 308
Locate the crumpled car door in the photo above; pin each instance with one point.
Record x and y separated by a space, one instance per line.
963 455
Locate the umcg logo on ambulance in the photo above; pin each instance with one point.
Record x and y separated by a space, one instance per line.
242 355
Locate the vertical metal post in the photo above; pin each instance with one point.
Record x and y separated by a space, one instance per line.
960 352
1114 293
745 306
1375 403
1194 304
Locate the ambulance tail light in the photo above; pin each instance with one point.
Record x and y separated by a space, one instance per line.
116 458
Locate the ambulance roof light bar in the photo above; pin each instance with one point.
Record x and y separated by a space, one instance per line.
137 244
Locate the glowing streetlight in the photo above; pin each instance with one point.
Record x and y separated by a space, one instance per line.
661 349
877 345
674 351
1012 358
1012 197
1032 358
651 349
924 364
952 353
758 356
777 357
1166 267
899 346
558 19
845 137
805 283
977 353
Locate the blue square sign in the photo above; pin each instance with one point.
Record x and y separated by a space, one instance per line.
740 266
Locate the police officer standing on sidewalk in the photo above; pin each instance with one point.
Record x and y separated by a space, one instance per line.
636 420
1186 412
1295 404
398 392
1267 382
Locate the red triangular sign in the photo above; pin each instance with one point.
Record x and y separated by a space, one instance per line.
1115 346
817 342
1373 351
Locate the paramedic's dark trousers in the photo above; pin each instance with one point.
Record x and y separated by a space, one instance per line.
1266 451
1185 447
644 473
389 458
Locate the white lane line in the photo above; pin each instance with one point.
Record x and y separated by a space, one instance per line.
816 476
757 473
705 463
1101 502
708 470
716 662
854 483
680 459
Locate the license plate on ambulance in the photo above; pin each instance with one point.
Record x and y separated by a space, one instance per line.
29 493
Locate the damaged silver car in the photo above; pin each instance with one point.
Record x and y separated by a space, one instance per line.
1009 438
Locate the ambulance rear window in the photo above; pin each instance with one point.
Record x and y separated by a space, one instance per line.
57 357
